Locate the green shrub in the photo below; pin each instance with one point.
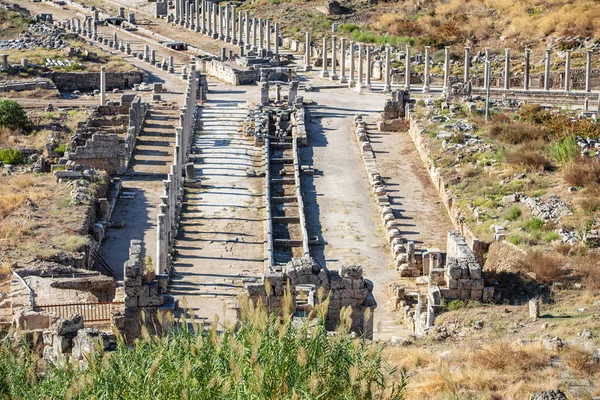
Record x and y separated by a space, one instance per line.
12 115
564 152
515 239
551 236
514 213
264 357
11 156
456 305
533 224
60 150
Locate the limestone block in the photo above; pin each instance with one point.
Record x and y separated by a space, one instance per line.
449 293
335 304
130 301
476 295
61 344
69 326
474 271
393 233
388 217
370 301
452 283
488 294
88 340
464 294
360 293
351 271
454 271
150 301
464 284
48 336
49 355
477 284
389 225
402 258
387 211
436 276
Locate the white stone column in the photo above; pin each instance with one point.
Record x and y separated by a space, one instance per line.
547 71
161 240
333 75
526 68
227 12
221 35
446 69
324 72
261 34
351 81
307 65
177 12
485 71
588 71
467 76
407 69
246 29
268 35
192 16
240 30
426 76
102 85
254 34
369 69
359 81
277 38
507 69
215 12
343 78
568 71
233 26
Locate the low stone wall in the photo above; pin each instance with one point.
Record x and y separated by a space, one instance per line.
85 81
345 288
26 85
92 148
227 73
419 136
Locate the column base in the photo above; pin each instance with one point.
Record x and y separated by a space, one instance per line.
307 68
343 79
351 83
407 88
215 36
425 89
204 31
387 88
334 77
234 41
324 74
221 37
227 39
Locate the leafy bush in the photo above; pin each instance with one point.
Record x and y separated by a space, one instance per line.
533 224
513 213
456 305
551 236
12 115
529 158
546 267
11 156
516 132
564 152
60 150
266 357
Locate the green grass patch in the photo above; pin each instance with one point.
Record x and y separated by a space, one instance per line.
534 224
514 213
11 156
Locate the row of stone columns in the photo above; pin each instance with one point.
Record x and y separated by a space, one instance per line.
427 78
228 24
172 198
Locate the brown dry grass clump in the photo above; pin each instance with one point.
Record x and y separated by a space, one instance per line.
503 355
15 190
546 267
579 359
515 132
583 172
530 157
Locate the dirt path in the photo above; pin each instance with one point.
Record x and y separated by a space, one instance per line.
424 219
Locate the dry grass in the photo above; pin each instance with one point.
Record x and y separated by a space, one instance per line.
529 157
584 172
503 355
579 359
69 242
14 191
546 267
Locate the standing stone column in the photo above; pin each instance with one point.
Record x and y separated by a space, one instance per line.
240 30
426 76
261 35
446 69
268 35
467 76
246 29
485 71
192 16
233 26
171 64
307 66
387 86
568 71
215 13
221 23
152 56
588 71
351 81
406 68
277 38
359 82
526 69
146 50
4 61
226 12
102 85
186 13
254 34
343 78
547 71
161 241
333 75
177 12
324 72
369 71
203 26
507 69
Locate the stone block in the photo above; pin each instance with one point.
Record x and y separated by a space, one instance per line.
61 344
474 271
449 293
464 294
477 284
488 294
70 325
436 276
477 295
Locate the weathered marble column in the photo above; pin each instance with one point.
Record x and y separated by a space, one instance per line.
4 61
507 69
343 78
387 86
203 17
324 72
221 23
161 245
102 85
334 75
246 29
261 35
485 71
446 69
588 71
177 12
568 71
254 33
171 64
369 70
233 26
526 69
186 14
426 76
240 30
193 20
152 56
277 38
146 51
547 71
467 76
268 35
307 65
351 81
407 68
215 13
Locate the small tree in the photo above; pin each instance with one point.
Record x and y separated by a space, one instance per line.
12 115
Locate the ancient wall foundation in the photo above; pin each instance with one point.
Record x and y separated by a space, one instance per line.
85 81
